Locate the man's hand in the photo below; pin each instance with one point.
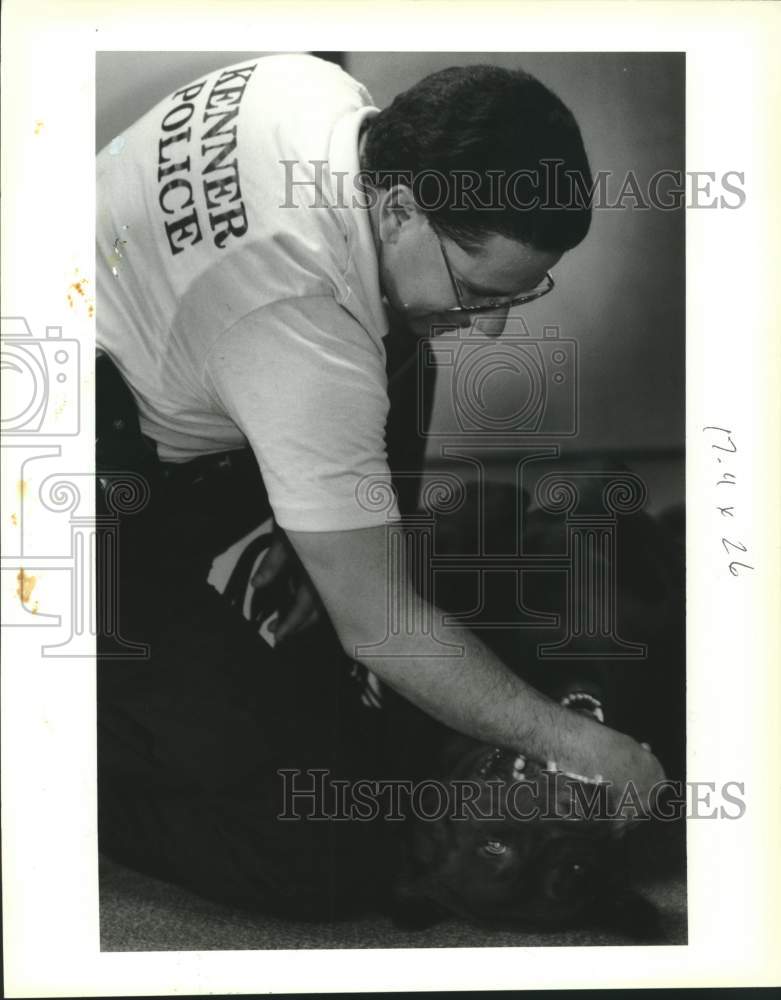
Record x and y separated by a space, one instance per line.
630 767
473 692
281 566
643 770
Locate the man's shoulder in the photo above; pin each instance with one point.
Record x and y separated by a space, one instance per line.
300 72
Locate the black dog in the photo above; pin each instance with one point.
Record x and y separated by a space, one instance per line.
210 820
550 872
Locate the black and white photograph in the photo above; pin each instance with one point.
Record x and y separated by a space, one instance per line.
389 497
389 415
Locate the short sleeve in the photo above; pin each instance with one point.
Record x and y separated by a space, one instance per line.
306 385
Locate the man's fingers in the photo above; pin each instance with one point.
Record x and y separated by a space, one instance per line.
272 564
302 614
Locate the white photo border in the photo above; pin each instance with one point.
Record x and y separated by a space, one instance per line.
50 884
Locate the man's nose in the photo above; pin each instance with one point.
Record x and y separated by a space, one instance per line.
493 324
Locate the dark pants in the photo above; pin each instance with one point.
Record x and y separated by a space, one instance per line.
191 737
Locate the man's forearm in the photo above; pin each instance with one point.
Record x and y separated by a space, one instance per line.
476 694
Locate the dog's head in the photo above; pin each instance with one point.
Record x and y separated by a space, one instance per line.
530 849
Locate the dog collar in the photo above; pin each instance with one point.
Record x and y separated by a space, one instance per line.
582 701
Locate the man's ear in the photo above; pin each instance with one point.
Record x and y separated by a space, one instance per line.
397 209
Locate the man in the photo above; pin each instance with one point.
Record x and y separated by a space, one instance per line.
259 232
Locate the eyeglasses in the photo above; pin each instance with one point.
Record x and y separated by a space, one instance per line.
546 286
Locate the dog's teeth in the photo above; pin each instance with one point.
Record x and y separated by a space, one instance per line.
519 763
552 766
583 779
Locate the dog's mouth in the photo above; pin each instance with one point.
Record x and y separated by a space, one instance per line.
497 763
534 787
487 763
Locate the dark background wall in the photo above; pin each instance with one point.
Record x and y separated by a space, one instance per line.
620 295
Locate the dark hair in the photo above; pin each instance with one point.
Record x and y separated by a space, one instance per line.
515 138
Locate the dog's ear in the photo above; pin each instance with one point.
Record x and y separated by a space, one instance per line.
630 913
412 909
412 905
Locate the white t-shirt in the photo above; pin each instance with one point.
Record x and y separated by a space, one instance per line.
238 312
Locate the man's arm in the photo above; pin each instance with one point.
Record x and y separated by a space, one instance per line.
475 693
308 388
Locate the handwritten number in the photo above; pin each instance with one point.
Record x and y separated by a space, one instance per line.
728 479
731 450
723 430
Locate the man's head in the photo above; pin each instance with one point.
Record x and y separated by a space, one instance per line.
481 174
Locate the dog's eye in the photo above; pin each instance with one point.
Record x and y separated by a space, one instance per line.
569 881
494 847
